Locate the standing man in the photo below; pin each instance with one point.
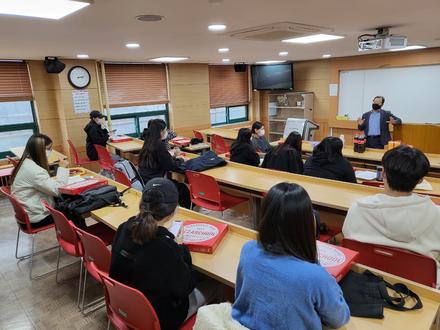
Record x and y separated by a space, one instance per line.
375 124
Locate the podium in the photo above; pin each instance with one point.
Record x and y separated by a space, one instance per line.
421 136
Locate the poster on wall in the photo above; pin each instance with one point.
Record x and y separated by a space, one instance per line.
81 101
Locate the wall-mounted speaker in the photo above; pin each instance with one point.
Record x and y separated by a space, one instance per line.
240 67
53 65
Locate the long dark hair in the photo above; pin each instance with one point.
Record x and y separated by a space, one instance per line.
152 140
287 224
36 150
332 146
294 140
152 209
243 137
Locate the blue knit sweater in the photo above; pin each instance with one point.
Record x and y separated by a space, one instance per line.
283 292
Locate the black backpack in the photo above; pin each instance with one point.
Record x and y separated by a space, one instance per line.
206 161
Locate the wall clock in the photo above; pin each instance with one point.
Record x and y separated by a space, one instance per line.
79 77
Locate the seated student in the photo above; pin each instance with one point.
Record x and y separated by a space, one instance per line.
155 160
398 217
258 139
280 284
146 256
97 133
171 134
31 181
287 156
327 162
242 150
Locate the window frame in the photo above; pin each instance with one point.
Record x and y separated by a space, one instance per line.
232 121
20 127
137 115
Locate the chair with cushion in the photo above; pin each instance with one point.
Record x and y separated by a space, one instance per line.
24 225
128 308
205 192
78 161
410 265
219 145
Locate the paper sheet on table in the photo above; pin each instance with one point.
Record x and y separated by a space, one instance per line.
75 179
365 175
425 185
63 175
175 227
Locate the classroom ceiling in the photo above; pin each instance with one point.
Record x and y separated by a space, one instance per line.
102 29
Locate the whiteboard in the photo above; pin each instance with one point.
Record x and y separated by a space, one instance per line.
411 93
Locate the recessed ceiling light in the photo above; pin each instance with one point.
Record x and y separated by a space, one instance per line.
82 56
326 55
132 45
149 18
283 53
217 27
52 9
226 60
408 48
168 59
223 50
270 62
313 38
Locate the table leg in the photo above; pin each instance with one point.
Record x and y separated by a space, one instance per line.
255 204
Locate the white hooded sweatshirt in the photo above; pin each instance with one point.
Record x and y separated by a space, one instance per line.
407 222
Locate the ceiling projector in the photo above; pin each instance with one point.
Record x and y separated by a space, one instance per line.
381 40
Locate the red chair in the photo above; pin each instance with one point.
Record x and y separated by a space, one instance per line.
219 145
78 161
400 262
96 258
205 192
121 178
12 160
128 308
104 158
24 225
198 135
69 241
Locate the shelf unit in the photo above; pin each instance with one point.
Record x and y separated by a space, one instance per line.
281 106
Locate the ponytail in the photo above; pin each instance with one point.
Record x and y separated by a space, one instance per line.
144 228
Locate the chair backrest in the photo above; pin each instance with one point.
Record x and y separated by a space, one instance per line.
121 177
128 308
65 231
219 144
104 158
412 266
198 135
202 186
73 152
12 161
21 215
96 255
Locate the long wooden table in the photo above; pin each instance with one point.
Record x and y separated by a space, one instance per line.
54 158
135 145
222 266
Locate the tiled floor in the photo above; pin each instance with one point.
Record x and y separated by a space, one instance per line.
42 303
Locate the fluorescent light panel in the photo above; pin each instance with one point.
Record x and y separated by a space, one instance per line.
51 9
414 47
326 55
270 62
217 27
226 60
132 45
223 50
82 56
313 38
283 53
169 59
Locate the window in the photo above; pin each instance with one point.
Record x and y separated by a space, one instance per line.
17 124
132 120
229 115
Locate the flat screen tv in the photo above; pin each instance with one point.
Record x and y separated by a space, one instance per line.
272 77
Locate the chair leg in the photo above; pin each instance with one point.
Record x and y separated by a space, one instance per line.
108 324
16 245
31 277
79 283
27 256
58 265
91 306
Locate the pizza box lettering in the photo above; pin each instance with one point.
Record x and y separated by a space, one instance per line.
203 237
335 259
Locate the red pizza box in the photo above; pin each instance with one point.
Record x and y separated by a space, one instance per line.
335 259
78 187
181 141
122 138
203 237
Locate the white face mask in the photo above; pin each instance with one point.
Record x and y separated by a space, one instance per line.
48 153
261 132
165 135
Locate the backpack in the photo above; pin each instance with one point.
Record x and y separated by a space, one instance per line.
206 161
131 172
89 200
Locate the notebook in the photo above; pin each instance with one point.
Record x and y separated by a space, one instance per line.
335 259
366 175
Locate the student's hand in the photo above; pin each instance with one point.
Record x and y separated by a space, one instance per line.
64 163
360 121
393 121
179 236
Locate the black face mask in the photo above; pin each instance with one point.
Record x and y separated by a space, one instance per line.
376 106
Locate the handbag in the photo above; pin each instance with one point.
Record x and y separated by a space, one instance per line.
366 295
91 199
